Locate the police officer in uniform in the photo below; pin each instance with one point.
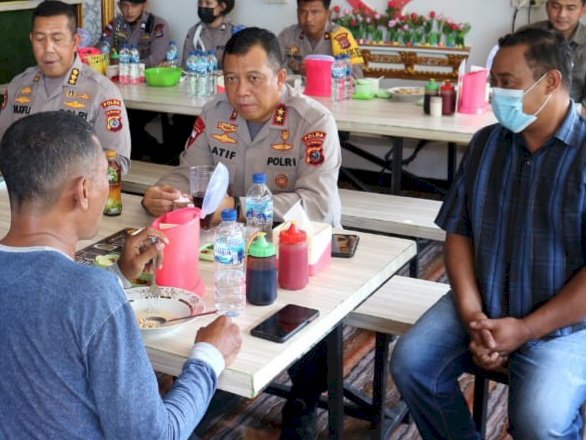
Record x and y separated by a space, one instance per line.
316 34
60 81
213 30
150 33
261 125
136 26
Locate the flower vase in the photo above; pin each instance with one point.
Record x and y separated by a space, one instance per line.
450 39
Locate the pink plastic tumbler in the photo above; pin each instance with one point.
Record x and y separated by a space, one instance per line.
473 94
318 75
181 255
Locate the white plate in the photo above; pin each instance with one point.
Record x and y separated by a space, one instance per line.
406 94
173 303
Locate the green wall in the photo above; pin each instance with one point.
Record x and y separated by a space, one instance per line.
15 48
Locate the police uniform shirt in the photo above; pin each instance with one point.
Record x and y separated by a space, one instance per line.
578 47
298 149
212 38
295 46
150 33
84 92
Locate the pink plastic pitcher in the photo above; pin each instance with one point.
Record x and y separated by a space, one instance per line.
473 93
181 255
318 75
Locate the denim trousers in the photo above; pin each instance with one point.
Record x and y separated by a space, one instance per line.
547 380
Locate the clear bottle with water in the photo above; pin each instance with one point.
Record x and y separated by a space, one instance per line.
172 54
229 277
348 78
338 79
259 207
124 65
212 72
134 67
201 71
191 65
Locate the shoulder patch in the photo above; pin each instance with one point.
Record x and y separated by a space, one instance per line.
159 30
199 127
314 147
111 103
114 120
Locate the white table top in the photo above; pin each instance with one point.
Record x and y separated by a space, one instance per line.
335 292
377 116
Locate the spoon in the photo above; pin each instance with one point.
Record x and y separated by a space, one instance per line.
160 320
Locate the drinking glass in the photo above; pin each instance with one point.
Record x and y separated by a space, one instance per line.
199 177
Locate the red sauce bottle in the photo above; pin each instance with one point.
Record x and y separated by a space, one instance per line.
448 94
293 259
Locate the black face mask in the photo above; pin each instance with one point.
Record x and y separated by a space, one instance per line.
206 15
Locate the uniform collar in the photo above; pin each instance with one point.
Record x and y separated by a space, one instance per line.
326 35
71 78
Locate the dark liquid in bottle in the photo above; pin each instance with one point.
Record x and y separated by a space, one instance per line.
204 223
261 286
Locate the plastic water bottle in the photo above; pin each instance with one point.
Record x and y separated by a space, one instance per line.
212 72
338 79
124 65
348 78
201 71
229 278
171 56
259 207
134 68
191 65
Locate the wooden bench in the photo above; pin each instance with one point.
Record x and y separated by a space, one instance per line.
390 312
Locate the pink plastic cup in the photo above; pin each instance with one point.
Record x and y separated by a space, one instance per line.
181 255
473 94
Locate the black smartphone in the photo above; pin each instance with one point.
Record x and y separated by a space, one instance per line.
344 245
284 323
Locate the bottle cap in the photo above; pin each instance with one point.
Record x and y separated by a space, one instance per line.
432 85
229 215
292 235
260 247
259 178
447 86
111 154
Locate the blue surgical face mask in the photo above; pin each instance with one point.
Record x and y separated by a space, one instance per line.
507 105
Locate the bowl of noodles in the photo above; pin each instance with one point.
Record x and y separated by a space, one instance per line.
406 94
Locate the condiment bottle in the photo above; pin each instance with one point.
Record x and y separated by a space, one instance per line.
293 259
431 89
448 94
114 203
435 106
261 272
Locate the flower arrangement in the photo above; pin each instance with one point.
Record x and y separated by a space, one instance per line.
367 25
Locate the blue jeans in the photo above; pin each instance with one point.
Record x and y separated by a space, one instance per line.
547 380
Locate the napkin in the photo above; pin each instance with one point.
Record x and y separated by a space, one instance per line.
298 215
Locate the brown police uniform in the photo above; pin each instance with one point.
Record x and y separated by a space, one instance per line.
295 46
84 92
211 38
298 149
150 33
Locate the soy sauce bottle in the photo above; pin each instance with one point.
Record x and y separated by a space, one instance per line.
431 89
261 272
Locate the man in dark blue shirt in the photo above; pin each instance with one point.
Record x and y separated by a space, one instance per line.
515 220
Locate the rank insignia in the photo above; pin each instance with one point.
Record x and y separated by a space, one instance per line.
233 115
37 77
26 90
224 138
282 181
280 115
73 77
314 152
227 127
70 93
285 135
23 100
111 103
85 96
327 36
74 104
294 50
199 127
114 120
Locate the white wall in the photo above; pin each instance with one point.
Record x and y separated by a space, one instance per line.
490 19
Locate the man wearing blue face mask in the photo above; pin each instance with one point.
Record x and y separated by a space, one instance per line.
515 255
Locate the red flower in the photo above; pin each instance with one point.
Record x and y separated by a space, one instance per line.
391 3
353 22
414 16
432 14
337 9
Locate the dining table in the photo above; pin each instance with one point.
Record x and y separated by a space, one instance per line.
335 291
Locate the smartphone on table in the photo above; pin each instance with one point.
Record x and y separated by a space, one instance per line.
284 323
344 245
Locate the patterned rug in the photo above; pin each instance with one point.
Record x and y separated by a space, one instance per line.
234 418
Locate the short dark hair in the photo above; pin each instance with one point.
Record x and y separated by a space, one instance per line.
52 8
230 5
546 50
38 152
241 42
326 3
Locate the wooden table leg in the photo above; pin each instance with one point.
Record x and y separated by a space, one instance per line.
336 383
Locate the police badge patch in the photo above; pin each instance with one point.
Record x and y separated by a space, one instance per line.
314 151
114 120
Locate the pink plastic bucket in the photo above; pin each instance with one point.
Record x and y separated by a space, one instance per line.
181 255
318 75
473 93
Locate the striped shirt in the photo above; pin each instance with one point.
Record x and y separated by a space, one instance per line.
525 214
